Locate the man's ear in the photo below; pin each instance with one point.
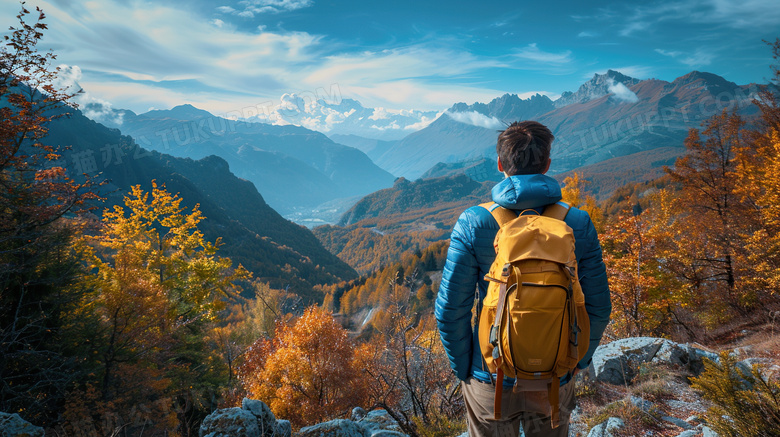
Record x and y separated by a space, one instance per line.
500 167
547 167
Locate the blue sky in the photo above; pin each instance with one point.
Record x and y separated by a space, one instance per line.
227 55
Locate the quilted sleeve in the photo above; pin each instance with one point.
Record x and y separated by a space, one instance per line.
593 279
456 297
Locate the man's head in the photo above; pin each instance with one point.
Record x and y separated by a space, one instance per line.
524 148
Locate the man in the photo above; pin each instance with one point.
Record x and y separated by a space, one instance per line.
524 158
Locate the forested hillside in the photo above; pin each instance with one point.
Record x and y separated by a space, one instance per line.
407 217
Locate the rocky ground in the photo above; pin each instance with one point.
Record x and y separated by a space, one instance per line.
635 387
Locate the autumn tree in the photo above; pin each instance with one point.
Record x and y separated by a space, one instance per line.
759 186
306 372
647 297
712 210
157 288
575 193
36 263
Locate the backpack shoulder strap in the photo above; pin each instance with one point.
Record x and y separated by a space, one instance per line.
501 214
557 210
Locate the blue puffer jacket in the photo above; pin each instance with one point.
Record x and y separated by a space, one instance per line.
471 253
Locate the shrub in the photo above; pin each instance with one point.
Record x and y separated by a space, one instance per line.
744 403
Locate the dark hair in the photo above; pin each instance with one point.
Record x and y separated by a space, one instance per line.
524 147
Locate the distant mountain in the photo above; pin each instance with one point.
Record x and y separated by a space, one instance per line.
336 116
610 116
599 86
373 148
648 115
509 107
291 166
445 140
253 234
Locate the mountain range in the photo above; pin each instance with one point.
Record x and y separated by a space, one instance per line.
612 115
293 167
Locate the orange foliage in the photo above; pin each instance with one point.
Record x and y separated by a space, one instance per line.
307 372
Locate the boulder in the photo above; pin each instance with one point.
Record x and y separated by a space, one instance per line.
358 414
334 428
672 353
266 421
605 429
616 362
230 422
707 432
12 425
283 428
377 420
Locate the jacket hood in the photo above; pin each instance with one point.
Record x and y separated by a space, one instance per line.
526 191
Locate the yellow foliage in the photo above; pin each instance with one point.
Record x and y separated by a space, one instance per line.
306 372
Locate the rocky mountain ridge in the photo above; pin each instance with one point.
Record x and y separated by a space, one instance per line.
610 116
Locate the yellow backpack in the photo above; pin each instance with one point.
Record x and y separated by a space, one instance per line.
533 325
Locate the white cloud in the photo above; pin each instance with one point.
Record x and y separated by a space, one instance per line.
736 14
476 119
532 53
252 7
379 114
696 59
621 92
586 34
95 108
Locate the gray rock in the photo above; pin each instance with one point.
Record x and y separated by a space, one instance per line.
744 351
605 429
642 404
334 428
12 425
265 417
694 419
230 422
358 414
386 433
697 355
677 422
672 353
377 420
283 428
707 432
615 362
689 433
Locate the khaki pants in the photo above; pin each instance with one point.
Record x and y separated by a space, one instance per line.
530 409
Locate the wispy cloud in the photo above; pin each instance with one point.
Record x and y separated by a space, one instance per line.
737 14
476 119
586 34
533 53
255 7
698 58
